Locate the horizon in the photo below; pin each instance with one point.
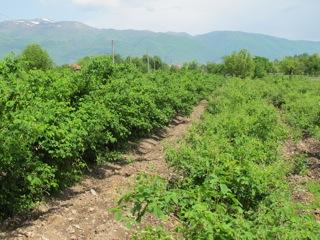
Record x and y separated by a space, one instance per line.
153 31
289 19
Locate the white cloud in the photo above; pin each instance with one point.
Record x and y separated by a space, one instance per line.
176 15
108 3
286 18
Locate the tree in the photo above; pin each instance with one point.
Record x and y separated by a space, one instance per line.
35 57
158 63
262 67
191 65
239 64
214 68
290 66
312 66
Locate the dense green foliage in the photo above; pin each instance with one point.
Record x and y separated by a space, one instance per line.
54 122
231 181
301 65
147 63
231 177
35 57
239 64
299 99
262 67
144 64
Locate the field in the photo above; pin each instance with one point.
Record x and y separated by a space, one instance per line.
55 123
248 170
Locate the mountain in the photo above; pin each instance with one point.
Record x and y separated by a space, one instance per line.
68 41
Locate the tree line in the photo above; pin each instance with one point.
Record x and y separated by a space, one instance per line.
243 64
238 64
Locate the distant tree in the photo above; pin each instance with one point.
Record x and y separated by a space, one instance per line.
299 64
84 61
214 68
312 65
157 63
35 57
303 66
191 66
275 67
137 62
239 64
118 58
290 66
87 60
262 66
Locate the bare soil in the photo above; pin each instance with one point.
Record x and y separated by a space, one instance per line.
311 148
81 212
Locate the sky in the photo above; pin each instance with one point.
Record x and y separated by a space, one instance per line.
292 19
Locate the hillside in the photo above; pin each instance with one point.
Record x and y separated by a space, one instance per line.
69 41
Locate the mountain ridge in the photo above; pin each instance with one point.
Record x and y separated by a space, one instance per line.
68 41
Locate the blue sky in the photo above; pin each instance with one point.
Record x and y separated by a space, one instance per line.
293 19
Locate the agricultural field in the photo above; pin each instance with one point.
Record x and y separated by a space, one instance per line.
159 120
248 170
54 123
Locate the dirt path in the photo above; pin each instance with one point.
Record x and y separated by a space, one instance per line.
310 148
82 211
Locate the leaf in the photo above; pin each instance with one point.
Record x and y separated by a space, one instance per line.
224 189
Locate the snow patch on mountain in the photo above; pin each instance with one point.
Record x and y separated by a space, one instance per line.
47 20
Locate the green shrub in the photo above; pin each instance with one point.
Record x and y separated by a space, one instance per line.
54 123
232 182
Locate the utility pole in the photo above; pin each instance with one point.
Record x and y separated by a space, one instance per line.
148 61
113 60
